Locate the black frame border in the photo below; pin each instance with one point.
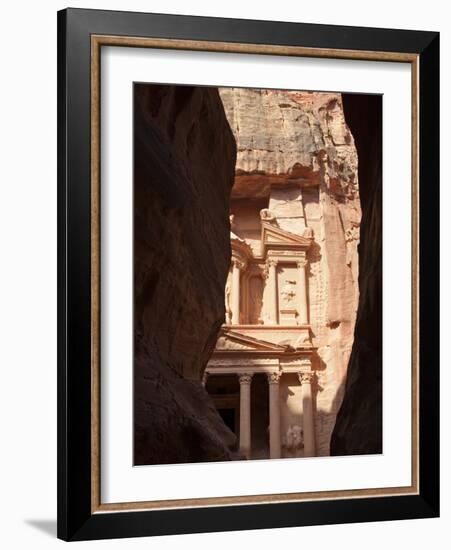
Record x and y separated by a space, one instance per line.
75 520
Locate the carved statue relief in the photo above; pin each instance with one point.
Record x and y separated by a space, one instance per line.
293 440
255 304
288 291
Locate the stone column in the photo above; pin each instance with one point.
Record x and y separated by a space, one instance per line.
235 305
306 378
274 415
302 298
245 414
272 292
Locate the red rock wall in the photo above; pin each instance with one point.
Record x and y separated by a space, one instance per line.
183 172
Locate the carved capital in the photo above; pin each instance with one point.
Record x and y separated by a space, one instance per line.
272 262
301 263
245 378
273 377
306 377
236 262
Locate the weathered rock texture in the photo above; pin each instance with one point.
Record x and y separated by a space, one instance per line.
295 151
358 428
184 169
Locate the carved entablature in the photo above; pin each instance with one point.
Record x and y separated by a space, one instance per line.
247 366
296 365
298 362
284 253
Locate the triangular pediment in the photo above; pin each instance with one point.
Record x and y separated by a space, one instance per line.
274 235
234 341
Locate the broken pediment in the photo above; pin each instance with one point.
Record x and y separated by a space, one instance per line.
235 341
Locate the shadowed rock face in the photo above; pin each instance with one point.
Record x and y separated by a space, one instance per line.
358 429
183 172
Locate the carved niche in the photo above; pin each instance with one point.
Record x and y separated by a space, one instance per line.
255 300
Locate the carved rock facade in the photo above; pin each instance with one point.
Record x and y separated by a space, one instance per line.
292 290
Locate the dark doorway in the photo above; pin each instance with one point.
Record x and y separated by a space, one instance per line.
259 416
225 392
228 415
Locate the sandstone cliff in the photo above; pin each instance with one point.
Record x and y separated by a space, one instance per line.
296 148
184 169
358 429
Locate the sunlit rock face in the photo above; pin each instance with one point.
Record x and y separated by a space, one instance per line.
297 171
183 172
358 428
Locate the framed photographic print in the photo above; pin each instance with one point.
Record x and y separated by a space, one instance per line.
248 274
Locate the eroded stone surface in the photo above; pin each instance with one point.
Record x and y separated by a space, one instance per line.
287 137
184 170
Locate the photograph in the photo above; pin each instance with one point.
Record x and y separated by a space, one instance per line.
223 225
254 301
248 274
